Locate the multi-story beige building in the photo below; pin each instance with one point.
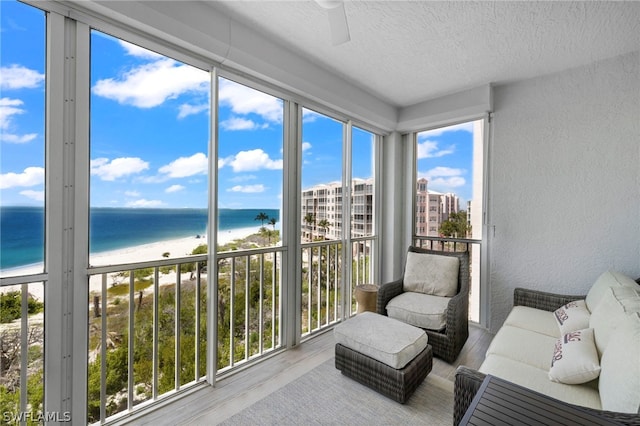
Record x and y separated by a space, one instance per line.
433 208
322 210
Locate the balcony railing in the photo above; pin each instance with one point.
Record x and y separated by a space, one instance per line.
21 349
322 278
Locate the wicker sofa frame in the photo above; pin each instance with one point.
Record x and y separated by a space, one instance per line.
448 342
468 381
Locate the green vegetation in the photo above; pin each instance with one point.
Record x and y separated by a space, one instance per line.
456 225
11 306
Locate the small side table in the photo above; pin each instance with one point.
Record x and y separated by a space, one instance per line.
367 297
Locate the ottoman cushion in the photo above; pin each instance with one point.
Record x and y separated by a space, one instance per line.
385 339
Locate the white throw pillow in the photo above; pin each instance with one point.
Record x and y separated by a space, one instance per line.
603 283
575 359
616 304
572 316
619 383
431 274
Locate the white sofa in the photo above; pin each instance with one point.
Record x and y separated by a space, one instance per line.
582 350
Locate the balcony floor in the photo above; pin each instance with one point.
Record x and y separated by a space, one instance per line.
232 394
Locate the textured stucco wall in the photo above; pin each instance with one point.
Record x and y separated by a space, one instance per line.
565 180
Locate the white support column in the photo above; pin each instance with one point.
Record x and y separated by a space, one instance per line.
392 202
291 220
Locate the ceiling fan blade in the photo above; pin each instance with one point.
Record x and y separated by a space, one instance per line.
338 25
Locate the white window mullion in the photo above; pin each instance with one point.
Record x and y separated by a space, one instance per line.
78 193
346 219
212 233
56 395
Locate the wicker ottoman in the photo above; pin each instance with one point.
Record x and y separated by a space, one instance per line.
385 354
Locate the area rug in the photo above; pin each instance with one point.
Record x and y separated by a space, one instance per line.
324 396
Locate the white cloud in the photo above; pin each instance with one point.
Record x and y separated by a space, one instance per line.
186 110
247 188
8 109
139 52
306 146
186 166
145 203
149 85
243 178
17 139
31 176
19 77
249 161
174 188
244 100
444 179
34 195
467 127
132 193
117 168
429 149
237 123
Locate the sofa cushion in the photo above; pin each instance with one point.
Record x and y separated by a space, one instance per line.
620 374
533 319
420 310
575 359
382 338
572 316
524 346
605 281
431 274
616 304
537 379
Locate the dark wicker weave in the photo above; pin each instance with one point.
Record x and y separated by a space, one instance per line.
398 385
447 343
468 381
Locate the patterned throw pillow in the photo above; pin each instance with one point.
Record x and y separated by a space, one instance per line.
572 316
575 358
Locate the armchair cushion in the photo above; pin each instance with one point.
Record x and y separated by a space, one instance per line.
431 274
420 310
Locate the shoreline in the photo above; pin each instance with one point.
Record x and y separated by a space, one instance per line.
179 247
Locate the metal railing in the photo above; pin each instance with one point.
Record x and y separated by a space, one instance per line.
322 278
21 348
148 329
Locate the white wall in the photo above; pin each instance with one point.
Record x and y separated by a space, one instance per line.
565 180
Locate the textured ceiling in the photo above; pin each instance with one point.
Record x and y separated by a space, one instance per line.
405 52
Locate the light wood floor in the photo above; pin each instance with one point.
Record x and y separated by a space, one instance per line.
211 405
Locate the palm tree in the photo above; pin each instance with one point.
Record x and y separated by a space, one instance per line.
309 218
324 225
273 222
262 216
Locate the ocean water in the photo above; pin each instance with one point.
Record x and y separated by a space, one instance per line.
22 228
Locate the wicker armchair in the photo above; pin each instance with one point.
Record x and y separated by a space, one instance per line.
467 380
448 342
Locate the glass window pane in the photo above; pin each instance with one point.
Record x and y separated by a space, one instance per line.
444 188
149 147
250 160
362 183
22 139
322 139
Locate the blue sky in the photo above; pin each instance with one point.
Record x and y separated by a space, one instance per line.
445 159
150 131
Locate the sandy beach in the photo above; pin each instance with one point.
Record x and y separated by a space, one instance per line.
176 248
